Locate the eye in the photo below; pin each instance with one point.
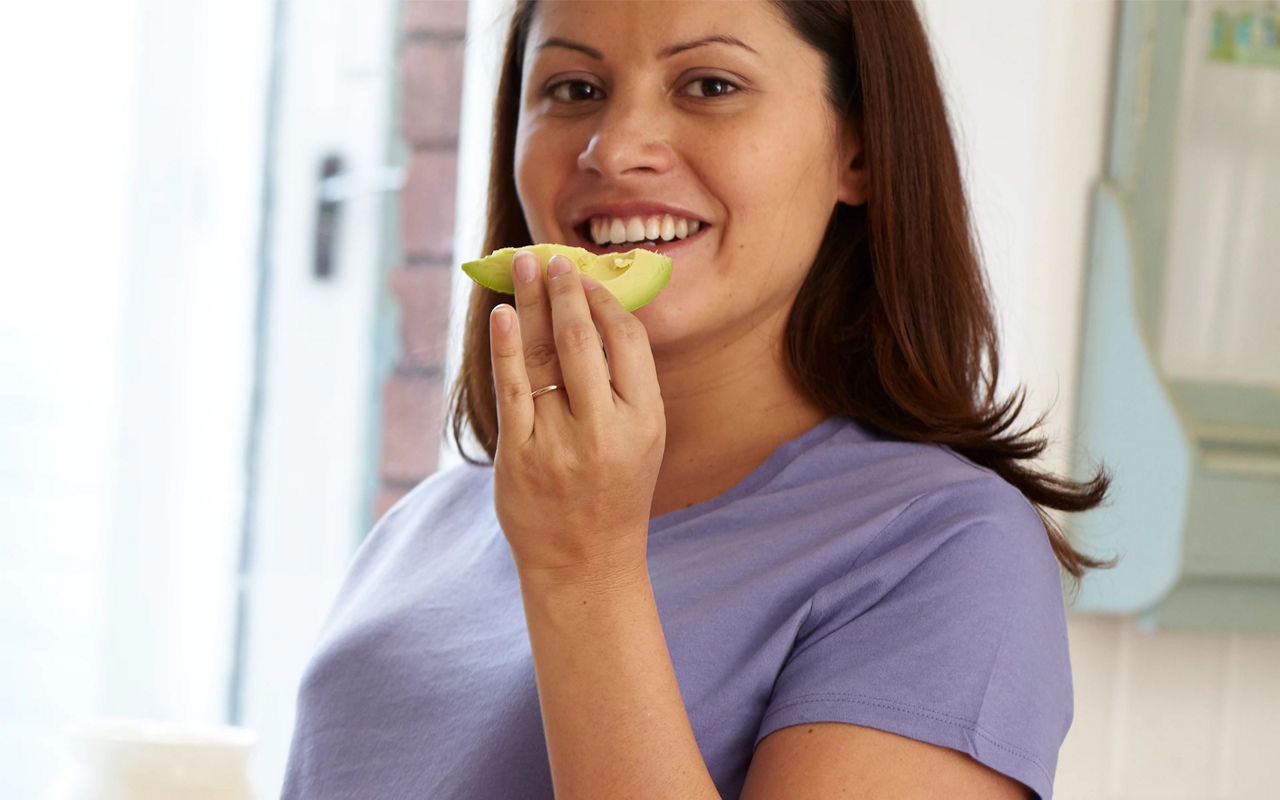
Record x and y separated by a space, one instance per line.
710 87
574 91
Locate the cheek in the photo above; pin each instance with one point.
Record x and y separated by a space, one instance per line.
523 165
805 188
774 175
544 162
531 184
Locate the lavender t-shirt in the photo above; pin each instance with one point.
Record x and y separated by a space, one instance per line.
850 578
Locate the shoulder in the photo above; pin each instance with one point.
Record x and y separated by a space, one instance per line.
450 486
431 514
965 520
881 462
881 508
948 625
944 526
917 495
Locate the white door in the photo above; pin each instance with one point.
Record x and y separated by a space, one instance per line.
331 137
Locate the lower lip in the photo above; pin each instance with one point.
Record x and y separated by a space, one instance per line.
666 248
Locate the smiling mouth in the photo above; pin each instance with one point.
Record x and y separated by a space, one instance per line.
649 232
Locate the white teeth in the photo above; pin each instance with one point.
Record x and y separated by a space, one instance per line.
618 230
635 230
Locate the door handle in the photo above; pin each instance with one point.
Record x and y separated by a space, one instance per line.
335 187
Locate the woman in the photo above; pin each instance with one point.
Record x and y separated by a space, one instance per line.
771 536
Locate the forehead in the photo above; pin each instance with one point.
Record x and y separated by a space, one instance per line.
647 28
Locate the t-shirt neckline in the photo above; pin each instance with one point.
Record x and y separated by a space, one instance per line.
777 461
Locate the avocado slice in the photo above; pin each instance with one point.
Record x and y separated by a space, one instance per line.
634 277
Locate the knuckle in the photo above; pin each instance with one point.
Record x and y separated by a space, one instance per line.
560 465
578 338
651 425
539 354
532 466
605 454
529 461
529 301
631 331
509 391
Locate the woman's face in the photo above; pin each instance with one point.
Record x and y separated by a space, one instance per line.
698 129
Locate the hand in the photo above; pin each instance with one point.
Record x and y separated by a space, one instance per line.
575 468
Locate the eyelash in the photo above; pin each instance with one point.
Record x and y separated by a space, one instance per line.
554 90
731 87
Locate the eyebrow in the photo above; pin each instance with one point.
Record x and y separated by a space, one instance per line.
667 52
718 38
556 41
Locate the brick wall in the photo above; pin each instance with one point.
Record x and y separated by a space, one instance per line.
413 395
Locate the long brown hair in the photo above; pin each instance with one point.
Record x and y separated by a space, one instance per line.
893 326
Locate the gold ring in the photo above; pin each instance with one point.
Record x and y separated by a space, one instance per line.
539 392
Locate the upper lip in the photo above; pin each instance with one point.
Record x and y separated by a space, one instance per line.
631 209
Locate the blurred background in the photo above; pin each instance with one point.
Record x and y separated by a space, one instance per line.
228 319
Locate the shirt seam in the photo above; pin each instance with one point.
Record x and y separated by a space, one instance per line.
919 711
853 565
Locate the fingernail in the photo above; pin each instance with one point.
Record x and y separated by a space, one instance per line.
589 283
558 265
526 266
502 318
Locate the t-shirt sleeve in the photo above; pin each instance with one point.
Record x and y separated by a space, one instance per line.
949 629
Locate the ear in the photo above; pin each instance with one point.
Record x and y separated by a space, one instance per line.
853 178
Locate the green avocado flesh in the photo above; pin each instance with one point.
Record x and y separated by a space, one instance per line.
634 277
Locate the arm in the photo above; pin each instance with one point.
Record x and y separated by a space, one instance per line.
574 476
615 723
616 726
834 760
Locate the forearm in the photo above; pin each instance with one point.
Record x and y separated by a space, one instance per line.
615 723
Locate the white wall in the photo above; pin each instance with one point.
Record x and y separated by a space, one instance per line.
1031 140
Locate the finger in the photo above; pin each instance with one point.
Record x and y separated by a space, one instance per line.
635 378
534 310
510 379
586 374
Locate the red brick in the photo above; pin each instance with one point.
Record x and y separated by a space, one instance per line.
422 294
412 427
431 72
426 204
413 397
434 15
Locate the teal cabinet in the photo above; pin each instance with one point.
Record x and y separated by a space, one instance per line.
1180 358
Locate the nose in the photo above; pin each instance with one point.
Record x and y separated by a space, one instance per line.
628 142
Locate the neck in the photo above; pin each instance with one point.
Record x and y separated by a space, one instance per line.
727 411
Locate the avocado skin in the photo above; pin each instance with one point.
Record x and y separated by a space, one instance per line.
634 277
